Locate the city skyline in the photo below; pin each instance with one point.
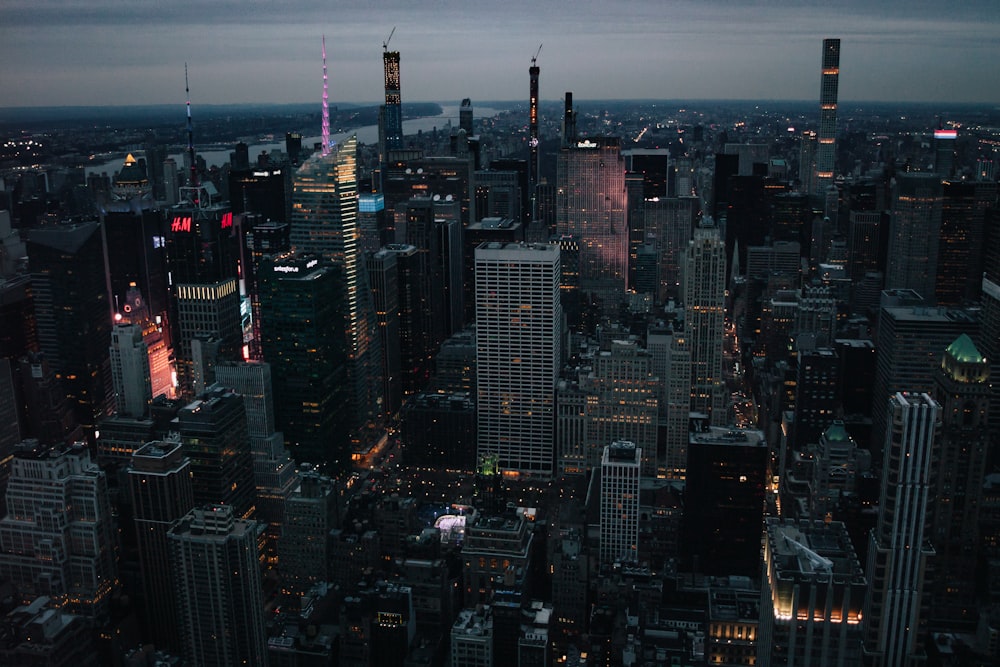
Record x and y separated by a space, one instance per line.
102 53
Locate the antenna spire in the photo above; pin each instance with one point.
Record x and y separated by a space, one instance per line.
190 131
326 105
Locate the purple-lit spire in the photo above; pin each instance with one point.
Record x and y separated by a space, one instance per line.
190 129
326 105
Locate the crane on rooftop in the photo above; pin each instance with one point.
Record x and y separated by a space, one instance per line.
385 44
535 57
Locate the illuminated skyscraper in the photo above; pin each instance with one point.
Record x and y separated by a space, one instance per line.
826 151
590 204
518 350
325 222
899 547
392 117
533 73
703 291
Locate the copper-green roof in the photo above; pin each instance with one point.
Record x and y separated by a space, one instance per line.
837 432
964 350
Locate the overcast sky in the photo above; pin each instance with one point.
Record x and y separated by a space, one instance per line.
114 52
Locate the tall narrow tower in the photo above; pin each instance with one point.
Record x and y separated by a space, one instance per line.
827 115
533 72
704 295
392 126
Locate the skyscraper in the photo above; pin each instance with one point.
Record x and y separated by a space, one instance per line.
704 292
899 546
913 234
72 312
130 371
518 350
160 490
325 222
533 73
218 588
621 465
826 151
301 304
213 431
304 547
590 204
962 388
392 123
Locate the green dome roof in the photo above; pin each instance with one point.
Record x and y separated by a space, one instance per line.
964 351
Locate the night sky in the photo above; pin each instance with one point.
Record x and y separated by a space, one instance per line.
116 52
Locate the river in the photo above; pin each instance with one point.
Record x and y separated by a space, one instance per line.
367 134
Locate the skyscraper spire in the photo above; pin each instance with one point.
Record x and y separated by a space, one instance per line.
190 130
326 105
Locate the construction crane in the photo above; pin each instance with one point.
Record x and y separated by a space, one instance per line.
535 57
385 44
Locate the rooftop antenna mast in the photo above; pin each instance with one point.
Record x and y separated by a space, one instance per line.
190 131
325 150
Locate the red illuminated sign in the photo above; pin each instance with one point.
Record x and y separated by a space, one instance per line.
181 224
227 220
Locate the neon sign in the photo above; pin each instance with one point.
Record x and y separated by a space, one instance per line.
181 224
227 220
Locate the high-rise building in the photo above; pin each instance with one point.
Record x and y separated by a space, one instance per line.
325 222
302 338
826 152
911 339
533 165
137 255
621 466
203 247
72 313
813 597
213 431
265 191
899 547
590 182
220 603
518 349
913 234
672 364
465 115
133 390
704 295
472 638
962 388
961 246
304 547
58 538
391 135
727 475
273 469
159 482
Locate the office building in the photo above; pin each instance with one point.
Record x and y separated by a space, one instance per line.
518 348
438 431
40 633
590 205
472 638
727 474
203 246
72 313
497 557
961 256
213 431
302 338
159 483
671 357
262 190
325 222
826 151
621 466
962 389
220 603
273 469
384 273
59 537
304 547
900 545
914 229
813 597
703 295
910 342
130 374
134 235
